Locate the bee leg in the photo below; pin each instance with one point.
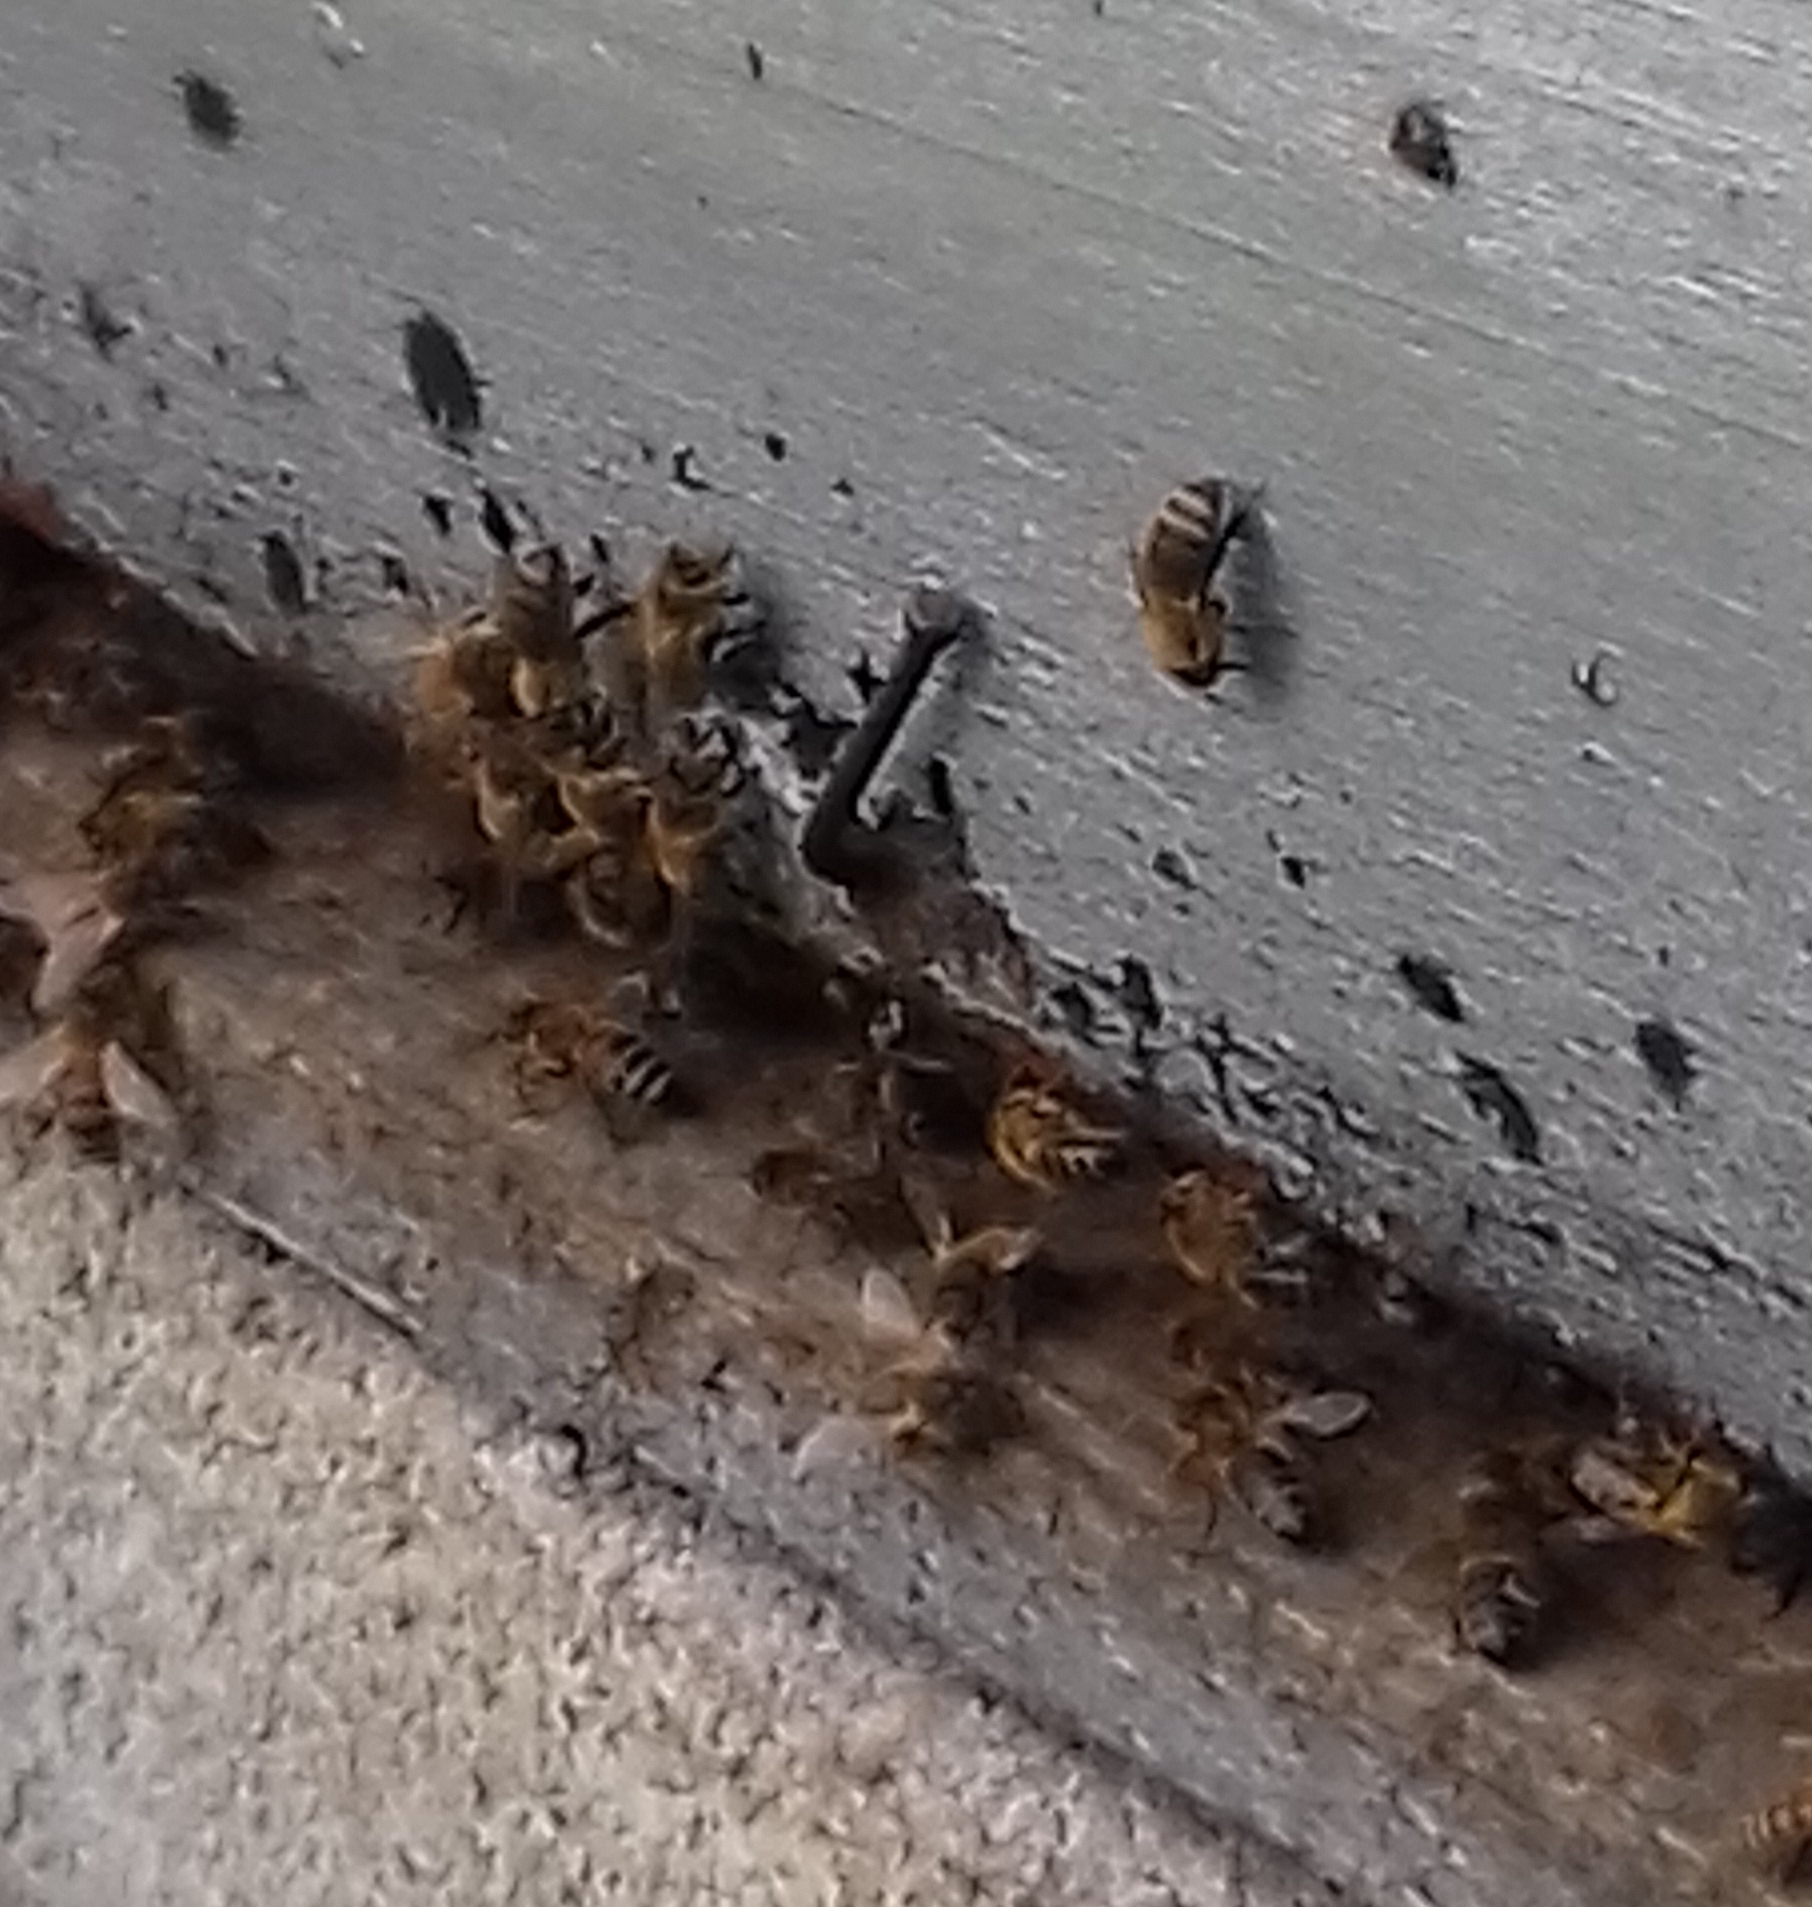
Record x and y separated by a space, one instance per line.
611 612
1237 519
625 1123
835 831
536 1086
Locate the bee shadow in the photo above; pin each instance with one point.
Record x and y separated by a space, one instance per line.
1261 620
748 670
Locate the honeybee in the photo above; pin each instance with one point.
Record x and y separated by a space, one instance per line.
532 612
565 1040
690 605
463 675
1243 1430
1781 1833
642 860
946 1390
616 898
1039 1139
1640 1484
518 807
1212 1232
517 655
1504 1587
1182 613
972 1279
157 825
82 1075
652 833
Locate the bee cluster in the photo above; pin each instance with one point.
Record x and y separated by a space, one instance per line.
600 795
565 716
963 1170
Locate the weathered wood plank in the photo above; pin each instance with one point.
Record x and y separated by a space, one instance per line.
996 281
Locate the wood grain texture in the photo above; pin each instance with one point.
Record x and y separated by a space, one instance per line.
997 280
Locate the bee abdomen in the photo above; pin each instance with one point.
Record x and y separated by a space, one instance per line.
636 1074
1191 513
1073 1159
1774 1827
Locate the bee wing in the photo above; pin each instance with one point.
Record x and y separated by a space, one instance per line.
887 1307
1608 1484
1599 1530
1012 1246
928 1213
29 1069
828 1445
73 949
1325 1413
133 1094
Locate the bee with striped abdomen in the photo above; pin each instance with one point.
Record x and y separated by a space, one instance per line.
1781 1833
1645 1483
1244 1432
1212 1231
1175 568
658 653
532 611
161 822
1039 1139
564 1040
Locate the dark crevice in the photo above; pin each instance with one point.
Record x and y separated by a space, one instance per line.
1492 1097
1429 983
212 112
1668 1055
285 581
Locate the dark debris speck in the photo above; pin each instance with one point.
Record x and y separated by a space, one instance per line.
757 60
1593 682
1137 992
1419 139
864 677
441 376
1075 1009
438 509
284 579
103 329
683 471
1667 1054
212 111
1430 984
1492 1097
775 444
495 521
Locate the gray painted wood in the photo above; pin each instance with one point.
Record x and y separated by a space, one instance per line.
1000 274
